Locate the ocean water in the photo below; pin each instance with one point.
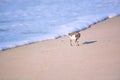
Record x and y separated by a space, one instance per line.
27 21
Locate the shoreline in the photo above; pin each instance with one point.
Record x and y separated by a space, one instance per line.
97 57
58 36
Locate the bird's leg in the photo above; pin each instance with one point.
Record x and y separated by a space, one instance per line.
70 42
76 41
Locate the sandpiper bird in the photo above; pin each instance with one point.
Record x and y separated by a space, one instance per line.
74 36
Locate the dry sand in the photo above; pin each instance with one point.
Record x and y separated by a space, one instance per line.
97 57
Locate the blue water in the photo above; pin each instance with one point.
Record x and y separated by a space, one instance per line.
26 21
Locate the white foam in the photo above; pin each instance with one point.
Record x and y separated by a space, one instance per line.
112 15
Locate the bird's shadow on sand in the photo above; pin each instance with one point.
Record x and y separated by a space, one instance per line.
89 42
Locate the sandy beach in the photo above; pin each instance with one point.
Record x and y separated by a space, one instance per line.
97 57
